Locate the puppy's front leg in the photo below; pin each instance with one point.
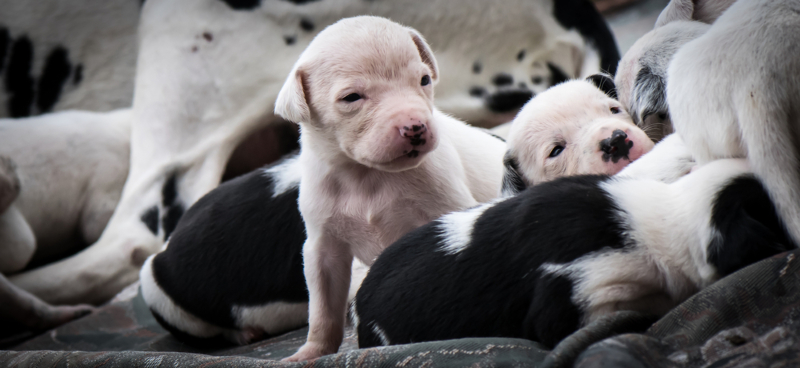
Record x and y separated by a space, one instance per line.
327 262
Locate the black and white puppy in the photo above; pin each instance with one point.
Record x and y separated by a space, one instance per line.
233 265
563 253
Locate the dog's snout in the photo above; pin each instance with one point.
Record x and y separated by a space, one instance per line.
415 133
615 147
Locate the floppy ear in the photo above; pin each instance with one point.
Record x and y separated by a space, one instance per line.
513 183
676 10
292 103
425 53
605 83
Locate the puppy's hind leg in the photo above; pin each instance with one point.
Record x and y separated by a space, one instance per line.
22 307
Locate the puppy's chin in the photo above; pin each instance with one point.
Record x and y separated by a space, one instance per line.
402 163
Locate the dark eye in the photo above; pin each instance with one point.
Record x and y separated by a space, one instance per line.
615 110
426 80
352 97
556 151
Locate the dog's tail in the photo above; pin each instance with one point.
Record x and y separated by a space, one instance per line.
769 127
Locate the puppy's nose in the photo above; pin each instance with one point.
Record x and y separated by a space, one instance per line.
415 133
616 147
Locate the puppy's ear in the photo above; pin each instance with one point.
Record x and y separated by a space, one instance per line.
676 10
425 53
513 183
605 83
292 102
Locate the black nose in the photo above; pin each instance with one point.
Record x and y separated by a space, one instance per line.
616 147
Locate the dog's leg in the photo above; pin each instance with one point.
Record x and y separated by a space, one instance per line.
327 268
22 307
17 243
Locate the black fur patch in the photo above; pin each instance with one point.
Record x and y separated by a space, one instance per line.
57 69
18 81
477 67
605 83
502 79
77 77
521 55
237 245
513 183
243 4
150 219
4 40
173 208
749 227
306 24
289 40
477 91
507 100
583 16
556 74
494 287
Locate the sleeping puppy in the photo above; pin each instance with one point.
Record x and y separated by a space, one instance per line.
377 159
570 129
566 252
233 265
733 92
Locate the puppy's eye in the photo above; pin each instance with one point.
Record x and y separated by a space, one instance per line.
353 97
556 151
615 110
426 80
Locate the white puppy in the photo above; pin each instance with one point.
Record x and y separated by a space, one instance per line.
572 128
378 160
70 169
734 92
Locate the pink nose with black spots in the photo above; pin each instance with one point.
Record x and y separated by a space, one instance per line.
416 135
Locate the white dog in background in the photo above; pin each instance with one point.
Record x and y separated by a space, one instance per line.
572 128
734 92
378 160
65 181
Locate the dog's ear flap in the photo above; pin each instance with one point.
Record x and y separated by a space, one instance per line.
676 10
425 53
513 183
605 83
292 102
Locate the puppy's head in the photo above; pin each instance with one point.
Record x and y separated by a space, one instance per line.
364 89
641 75
574 128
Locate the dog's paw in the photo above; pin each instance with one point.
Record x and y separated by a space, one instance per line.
309 351
54 316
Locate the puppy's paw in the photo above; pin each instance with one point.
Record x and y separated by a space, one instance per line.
54 316
309 351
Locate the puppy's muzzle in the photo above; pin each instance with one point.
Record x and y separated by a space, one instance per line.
416 135
616 147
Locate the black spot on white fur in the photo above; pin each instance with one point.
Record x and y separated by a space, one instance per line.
18 79
502 79
749 227
289 40
173 208
306 24
57 70
476 68
243 4
237 245
150 219
556 74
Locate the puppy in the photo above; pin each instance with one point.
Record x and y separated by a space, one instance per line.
571 128
377 159
66 179
732 93
563 253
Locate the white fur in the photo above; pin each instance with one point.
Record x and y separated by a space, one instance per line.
457 228
359 190
263 316
380 333
731 95
669 160
286 175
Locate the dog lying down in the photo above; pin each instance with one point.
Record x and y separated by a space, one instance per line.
570 129
563 253
233 266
